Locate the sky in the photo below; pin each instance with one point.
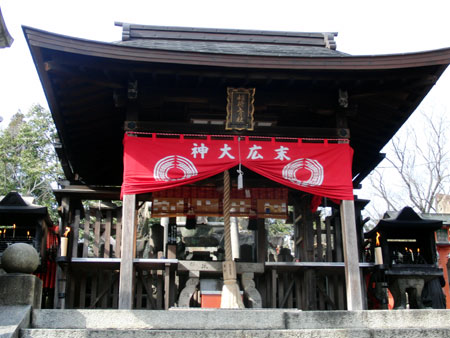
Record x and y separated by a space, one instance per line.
364 27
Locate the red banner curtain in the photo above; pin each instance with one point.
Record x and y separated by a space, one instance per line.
322 168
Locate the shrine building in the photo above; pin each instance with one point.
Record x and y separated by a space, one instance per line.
191 127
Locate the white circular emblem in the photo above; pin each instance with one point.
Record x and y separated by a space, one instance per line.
313 166
161 170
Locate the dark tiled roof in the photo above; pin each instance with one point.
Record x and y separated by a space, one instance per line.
5 38
445 218
230 41
232 48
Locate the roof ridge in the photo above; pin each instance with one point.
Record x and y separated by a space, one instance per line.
319 39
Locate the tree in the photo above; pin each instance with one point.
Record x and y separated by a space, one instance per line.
28 161
278 227
416 168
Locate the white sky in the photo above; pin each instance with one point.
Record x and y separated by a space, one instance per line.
364 27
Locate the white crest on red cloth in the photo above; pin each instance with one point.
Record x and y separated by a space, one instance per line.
162 169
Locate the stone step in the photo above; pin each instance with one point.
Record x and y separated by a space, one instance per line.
148 319
246 319
316 333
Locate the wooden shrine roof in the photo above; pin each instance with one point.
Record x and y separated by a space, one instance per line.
15 209
182 75
6 39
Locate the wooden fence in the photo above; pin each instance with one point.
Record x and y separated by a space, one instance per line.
93 272
313 281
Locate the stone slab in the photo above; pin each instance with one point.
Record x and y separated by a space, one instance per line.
12 319
372 319
198 323
237 319
223 319
20 289
318 333
214 266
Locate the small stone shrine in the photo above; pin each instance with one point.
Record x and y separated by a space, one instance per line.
21 221
405 253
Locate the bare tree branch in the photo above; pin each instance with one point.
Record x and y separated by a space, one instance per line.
417 166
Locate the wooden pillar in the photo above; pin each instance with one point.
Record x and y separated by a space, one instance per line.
167 287
126 292
72 279
350 244
75 235
60 285
310 286
261 252
262 240
338 280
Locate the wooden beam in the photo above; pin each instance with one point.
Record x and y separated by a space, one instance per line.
168 127
350 244
92 126
274 96
214 266
81 112
87 99
76 91
126 292
88 192
65 163
78 76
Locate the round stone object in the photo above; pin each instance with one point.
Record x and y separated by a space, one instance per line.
20 258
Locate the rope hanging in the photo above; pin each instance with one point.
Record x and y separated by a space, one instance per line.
226 215
231 295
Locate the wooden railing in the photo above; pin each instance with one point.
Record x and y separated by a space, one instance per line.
305 285
93 266
101 234
316 282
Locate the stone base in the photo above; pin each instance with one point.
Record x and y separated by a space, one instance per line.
399 287
225 323
13 319
20 289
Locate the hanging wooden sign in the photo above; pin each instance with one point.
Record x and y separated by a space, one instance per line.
240 108
207 201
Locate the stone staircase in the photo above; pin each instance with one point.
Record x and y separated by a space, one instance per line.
198 323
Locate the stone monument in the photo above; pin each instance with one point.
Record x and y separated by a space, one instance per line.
18 286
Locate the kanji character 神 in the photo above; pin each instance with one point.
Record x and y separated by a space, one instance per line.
202 150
